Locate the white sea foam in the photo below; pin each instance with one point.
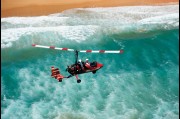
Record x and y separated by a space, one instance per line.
43 97
130 14
41 20
74 33
166 110
168 19
82 23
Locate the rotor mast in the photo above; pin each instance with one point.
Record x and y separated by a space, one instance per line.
76 56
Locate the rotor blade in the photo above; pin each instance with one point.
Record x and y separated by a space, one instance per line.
83 51
102 51
52 47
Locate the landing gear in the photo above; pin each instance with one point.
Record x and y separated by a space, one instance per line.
78 81
94 72
59 80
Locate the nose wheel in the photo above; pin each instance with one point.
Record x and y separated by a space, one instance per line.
94 72
78 81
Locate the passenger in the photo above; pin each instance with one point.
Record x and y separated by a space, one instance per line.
87 64
81 65
87 61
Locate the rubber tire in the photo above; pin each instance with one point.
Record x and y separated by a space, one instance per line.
94 72
59 80
78 81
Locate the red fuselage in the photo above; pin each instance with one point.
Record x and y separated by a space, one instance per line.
75 69
97 67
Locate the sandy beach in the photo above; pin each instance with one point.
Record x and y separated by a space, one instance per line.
11 8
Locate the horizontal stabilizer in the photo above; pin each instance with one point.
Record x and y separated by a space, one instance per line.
55 73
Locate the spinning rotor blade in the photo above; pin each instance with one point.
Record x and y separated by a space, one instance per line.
52 47
102 51
84 51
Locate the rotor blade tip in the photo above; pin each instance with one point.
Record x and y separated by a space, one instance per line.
121 51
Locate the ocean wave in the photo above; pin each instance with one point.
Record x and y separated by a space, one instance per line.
82 23
59 33
32 21
113 96
140 83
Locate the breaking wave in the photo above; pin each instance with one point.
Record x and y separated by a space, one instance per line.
140 83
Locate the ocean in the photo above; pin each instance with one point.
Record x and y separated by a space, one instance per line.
141 83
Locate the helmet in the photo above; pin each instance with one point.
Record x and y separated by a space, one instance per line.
79 60
86 59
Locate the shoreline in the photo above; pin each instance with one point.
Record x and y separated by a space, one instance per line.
47 9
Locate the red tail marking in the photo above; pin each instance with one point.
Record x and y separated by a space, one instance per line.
121 51
52 47
88 50
33 44
64 48
101 51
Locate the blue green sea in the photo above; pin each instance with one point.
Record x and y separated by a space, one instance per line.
141 83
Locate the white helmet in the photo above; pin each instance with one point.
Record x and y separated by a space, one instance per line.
86 59
79 60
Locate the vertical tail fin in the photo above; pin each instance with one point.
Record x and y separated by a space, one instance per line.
55 73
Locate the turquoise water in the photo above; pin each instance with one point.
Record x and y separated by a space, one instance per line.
141 83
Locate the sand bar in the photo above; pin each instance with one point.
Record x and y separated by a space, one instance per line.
10 8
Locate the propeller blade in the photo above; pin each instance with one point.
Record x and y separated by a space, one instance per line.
83 51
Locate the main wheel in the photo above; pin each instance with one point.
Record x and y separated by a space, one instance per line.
60 80
94 72
78 81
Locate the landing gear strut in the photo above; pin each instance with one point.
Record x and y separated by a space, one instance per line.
78 80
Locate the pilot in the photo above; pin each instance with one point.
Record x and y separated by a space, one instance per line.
87 64
81 65
87 61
